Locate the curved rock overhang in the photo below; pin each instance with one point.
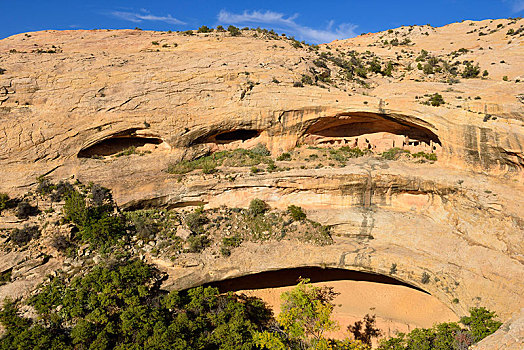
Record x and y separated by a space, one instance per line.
116 143
291 276
372 131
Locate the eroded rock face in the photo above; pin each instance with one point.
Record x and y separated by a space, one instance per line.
69 114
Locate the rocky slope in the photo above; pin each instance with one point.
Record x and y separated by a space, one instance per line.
72 103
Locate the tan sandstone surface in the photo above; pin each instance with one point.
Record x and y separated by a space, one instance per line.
65 114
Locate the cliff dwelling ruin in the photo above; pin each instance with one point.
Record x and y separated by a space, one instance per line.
369 131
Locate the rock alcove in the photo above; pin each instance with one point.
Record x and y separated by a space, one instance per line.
376 132
120 142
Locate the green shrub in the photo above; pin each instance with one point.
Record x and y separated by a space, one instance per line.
204 29
234 31
258 207
428 69
298 84
428 156
5 201
155 43
393 153
284 156
209 167
436 100
481 323
296 213
232 242
471 71
389 69
198 243
306 79
260 150
505 78
98 224
485 73
220 29
5 277
127 152
196 220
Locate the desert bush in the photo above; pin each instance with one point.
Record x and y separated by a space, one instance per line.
471 71
296 213
320 63
5 276
100 195
258 207
428 156
306 79
298 84
505 78
204 29
230 242
220 29
61 191
434 100
284 156
98 224
5 202
22 236
234 31
427 69
196 220
25 210
197 243
393 153
425 278
260 150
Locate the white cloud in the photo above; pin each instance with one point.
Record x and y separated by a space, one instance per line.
288 24
144 15
518 5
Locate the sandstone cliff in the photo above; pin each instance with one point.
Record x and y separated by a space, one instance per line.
70 101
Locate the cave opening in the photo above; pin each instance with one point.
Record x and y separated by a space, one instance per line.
372 131
231 136
236 135
119 143
290 277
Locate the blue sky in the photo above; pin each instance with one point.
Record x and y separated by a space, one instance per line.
313 21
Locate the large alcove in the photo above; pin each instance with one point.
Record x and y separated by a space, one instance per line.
119 142
397 305
376 132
